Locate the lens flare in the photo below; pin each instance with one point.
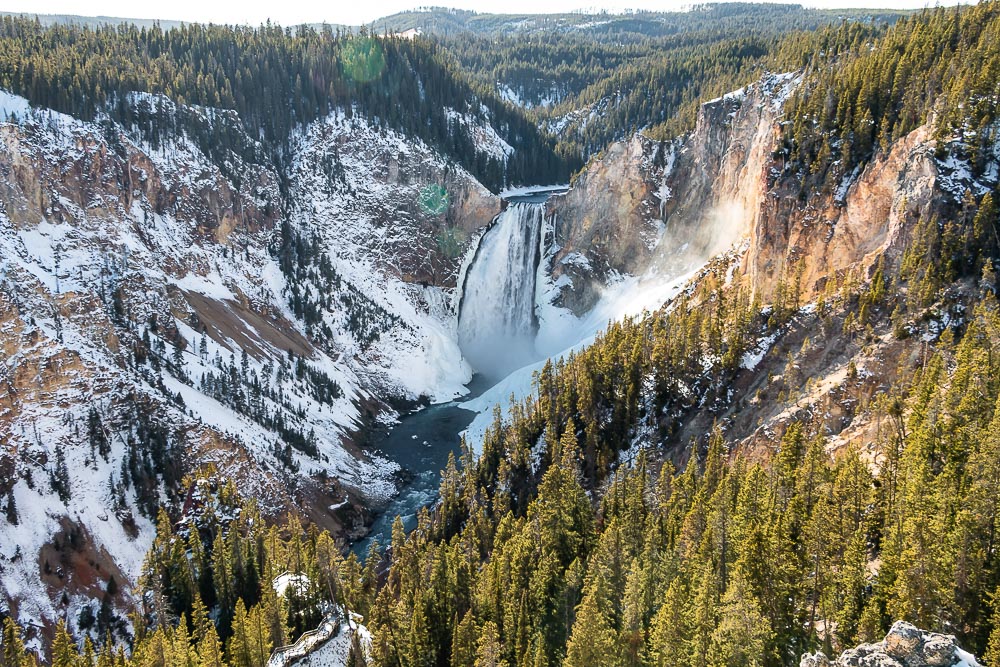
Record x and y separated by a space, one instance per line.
362 59
450 242
434 199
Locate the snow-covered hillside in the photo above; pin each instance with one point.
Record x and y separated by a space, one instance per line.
367 214
163 310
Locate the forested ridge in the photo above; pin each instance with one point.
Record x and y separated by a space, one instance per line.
942 65
647 71
593 79
275 78
630 26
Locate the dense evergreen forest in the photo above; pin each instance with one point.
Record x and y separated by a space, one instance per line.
585 80
943 64
275 78
593 79
630 26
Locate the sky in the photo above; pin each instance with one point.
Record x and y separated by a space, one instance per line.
294 12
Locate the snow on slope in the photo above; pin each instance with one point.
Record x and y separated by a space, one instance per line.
483 134
336 651
159 251
59 272
137 277
372 227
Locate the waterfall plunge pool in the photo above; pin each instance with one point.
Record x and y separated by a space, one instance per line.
422 440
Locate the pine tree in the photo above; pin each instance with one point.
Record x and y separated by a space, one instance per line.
593 640
704 616
743 633
106 657
464 642
671 628
418 648
239 652
222 579
992 654
490 651
64 651
89 656
12 651
11 509
59 476
259 635
182 651
209 648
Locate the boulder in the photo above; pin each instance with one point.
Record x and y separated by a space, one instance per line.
939 650
904 646
904 642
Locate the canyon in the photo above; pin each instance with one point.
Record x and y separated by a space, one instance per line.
173 308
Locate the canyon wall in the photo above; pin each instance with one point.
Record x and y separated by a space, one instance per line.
163 311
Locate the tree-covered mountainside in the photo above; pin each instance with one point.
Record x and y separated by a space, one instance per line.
591 79
573 82
277 80
630 26
942 65
96 21
212 598
564 543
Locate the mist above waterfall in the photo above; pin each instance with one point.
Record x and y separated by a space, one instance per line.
497 323
506 320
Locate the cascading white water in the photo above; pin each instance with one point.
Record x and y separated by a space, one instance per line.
496 322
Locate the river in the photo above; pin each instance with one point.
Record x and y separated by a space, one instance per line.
422 440
420 443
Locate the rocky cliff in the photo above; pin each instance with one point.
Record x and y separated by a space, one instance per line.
727 185
671 205
666 207
904 646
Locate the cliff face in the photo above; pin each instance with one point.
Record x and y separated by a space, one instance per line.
608 223
867 218
417 213
726 185
721 175
667 207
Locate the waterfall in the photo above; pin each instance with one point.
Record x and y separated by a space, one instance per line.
496 321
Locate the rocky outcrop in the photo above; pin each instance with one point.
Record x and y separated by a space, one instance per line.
668 207
609 222
904 646
388 202
76 176
720 177
867 217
